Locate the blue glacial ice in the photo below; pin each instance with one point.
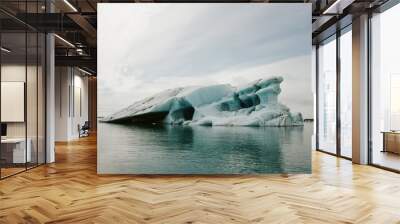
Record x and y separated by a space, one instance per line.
254 104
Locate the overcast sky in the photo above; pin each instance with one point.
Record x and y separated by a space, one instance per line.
146 48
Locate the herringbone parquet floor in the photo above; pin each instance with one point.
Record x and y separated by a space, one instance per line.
69 191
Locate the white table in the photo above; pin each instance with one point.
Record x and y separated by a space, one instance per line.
19 153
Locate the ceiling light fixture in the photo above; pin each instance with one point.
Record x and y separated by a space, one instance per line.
337 7
80 51
5 50
333 6
84 71
64 40
70 5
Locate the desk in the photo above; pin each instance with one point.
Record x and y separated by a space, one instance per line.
391 141
15 148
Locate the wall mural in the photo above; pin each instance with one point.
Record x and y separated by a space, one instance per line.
204 88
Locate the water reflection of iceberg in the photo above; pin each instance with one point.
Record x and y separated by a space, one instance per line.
255 104
169 149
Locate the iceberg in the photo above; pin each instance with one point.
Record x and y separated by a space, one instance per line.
253 104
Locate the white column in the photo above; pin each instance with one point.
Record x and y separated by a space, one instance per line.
50 98
360 90
62 103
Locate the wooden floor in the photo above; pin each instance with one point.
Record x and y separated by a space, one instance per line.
69 191
387 159
5 172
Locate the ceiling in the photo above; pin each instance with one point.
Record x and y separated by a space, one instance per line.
75 21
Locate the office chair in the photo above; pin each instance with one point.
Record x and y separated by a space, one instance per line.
84 130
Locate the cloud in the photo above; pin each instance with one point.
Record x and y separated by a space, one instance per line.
145 48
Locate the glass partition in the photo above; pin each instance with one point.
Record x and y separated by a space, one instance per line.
31 97
15 152
22 101
334 100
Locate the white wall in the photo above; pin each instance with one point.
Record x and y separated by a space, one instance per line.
79 117
61 103
12 101
314 91
70 84
34 124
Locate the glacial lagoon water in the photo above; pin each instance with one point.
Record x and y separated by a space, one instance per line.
166 149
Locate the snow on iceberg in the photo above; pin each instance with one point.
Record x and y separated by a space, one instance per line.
255 104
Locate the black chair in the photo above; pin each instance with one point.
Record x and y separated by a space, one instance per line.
84 130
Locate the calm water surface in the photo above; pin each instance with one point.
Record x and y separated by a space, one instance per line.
164 149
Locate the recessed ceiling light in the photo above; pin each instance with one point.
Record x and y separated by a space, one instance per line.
64 40
70 5
84 71
337 7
